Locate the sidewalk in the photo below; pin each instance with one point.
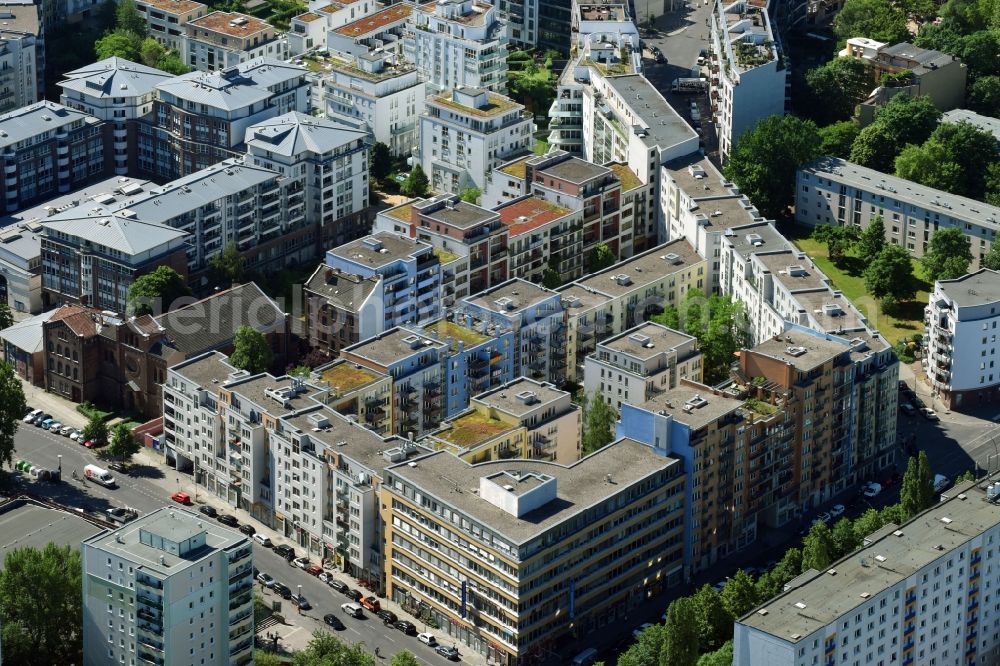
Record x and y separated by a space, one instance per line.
60 408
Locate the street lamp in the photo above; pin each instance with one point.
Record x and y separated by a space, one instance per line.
60 463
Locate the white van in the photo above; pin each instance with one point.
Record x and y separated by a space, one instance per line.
585 658
262 540
99 475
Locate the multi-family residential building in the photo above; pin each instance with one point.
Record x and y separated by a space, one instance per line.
479 434
458 44
49 149
171 588
221 40
356 392
376 92
639 364
831 190
369 286
168 20
533 315
500 583
913 594
471 242
960 343
623 296
202 118
383 29
979 121
22 57
740 275
21 267
118 92
910 69
468 132
542 237
748 76
308 30
326 161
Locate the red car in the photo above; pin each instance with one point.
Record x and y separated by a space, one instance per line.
314 569
181 498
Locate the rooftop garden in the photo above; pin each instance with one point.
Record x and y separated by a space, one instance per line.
444 256
515 169
473 428
347 377
401 212
446 329
629 180
496 105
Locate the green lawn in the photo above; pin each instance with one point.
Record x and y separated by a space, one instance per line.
849 279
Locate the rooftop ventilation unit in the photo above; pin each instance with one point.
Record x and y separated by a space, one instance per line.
795 351
526 397
639 339
412 340
672 258
622 279
755 239
832 310
796 271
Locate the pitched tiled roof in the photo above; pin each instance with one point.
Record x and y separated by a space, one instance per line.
78 318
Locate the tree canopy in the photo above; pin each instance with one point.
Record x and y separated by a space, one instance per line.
599 427
983 96
12 409
720 324
325 649
128 18
817 547
838 239
890 274
991 259
124 444
876 19
955 158
948 255
95 430
157 291
836 139
470 195
416 184
251 351
680 639
380 161
836 88
228 265
901 121
6 316
871 240
601 257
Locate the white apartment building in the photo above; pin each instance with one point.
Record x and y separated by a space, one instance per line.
117 91
748 76
376 92
831 190
458 44
639 364
168 20
325 160
960 339
917 593
168 588
21 63
308 30
467 133
385 30
221 40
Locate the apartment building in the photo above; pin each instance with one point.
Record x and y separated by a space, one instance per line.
308 30
748 75
201 118
22 59
479 435
962 314
538 230
369 286
623 296
168 20
221 40
118 92
834 191
458 44
471 242
530 313
324 161
21 267
640 363
466 133
383 29
168 587
500 582
379 93
356 392
702 207
979 121
911 595
48 149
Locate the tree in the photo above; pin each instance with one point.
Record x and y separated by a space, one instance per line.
12 408
725 334
991 259
983 95
680 635
403 658
380 161
890 275
947 256
470 195
552 280
325 649
764 161
416 184
599 430
96 430
871 240
909 490
836 139
228 265
980 52
261 658
875 19
127 18
151 52
119 44
721 657
839 240
739 595
171 63
928 164
124 443
251 351
157 291
715 623
955 158
867 523
817 547
967 475
6 316
843 538
900 121
40 589
925 482
836 88
645 651
670 317
601 257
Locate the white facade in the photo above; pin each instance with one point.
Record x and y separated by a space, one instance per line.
169 588
466 134
221 40
748 77
19 63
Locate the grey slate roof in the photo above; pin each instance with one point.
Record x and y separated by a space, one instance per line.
666 127
234 88
114 77
35 119
117 232
295 133
27 335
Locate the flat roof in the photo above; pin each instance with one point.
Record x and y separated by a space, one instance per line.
233 24
442 329
660 339
460 214
522 294
979 288
895 554
496 104
756 237
515 167
472 428
906 191
362 251
629 180
847 322
603 12
205 370
346 376
985 123
25 523
727 212
577 297
792 270
926 59
579 486
389 347
575 170
254 389
505 398
698 177
376 22
173 6
818 349
665 126
529 213
644 269
673 402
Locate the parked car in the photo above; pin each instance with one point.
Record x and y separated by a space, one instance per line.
823 518
907 409
282 589
74 435
181 498
333 621
407 628
267 580
387 615
930 414
448 652
30 416
837 510
301 602
90 444
226 519
325 576
116 467
314 569
719 585
353 609
40 419
338 585
46 423
941 483
872 489
208 511
284 551
372 604
247 529
65 431
122 514
354 594
427 638
300 562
